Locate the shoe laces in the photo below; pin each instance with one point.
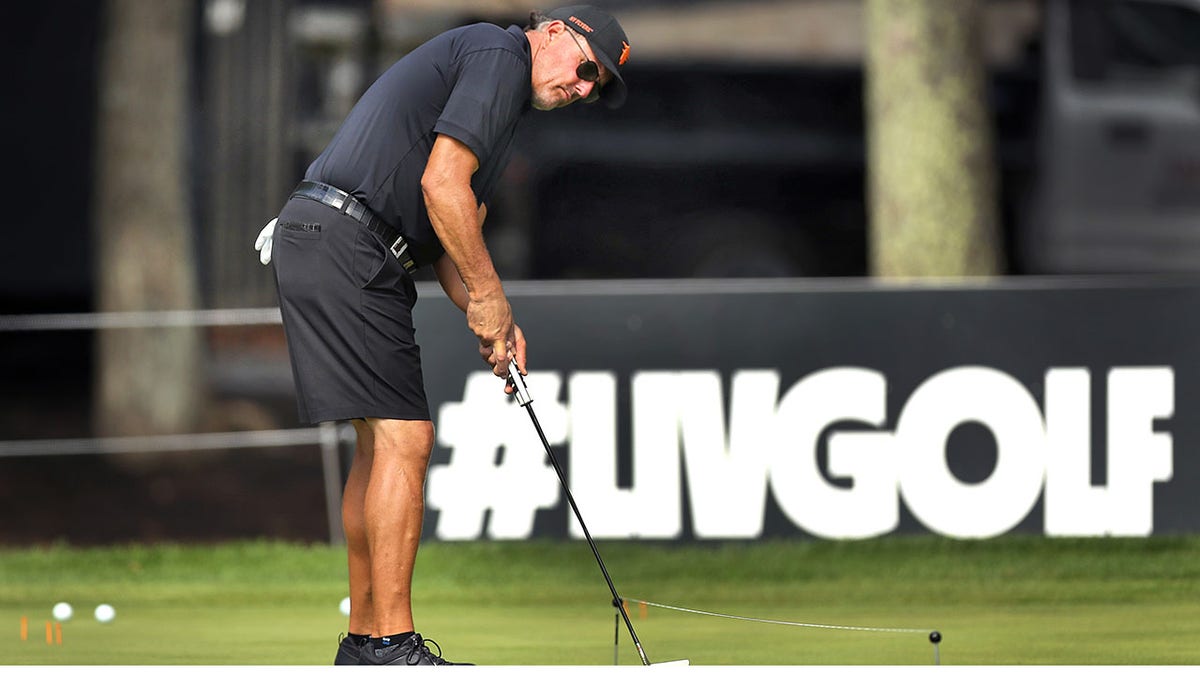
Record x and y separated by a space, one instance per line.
422 651
342 637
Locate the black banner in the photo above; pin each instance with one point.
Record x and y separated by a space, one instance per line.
832 409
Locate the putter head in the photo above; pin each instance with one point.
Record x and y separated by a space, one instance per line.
517 381
680 662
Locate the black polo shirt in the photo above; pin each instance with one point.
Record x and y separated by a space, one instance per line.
471 83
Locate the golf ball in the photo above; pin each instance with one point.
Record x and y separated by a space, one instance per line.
105 613
62 611
345 606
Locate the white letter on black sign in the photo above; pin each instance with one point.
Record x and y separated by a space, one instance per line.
869 507
936 497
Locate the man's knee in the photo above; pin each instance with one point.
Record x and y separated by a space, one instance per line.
404 438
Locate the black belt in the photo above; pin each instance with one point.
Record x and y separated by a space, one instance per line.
345 202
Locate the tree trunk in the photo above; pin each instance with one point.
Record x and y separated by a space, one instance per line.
932 176
146 379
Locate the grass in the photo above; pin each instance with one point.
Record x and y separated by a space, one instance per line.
1013 600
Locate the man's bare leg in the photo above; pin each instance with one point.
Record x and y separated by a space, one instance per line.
394 508
362 612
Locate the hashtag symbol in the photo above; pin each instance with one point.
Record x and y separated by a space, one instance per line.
497 462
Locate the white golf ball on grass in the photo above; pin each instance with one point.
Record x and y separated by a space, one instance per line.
62 611
105 613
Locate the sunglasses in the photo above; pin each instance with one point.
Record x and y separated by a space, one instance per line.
588 71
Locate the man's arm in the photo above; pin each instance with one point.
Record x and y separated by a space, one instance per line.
447 273
451 204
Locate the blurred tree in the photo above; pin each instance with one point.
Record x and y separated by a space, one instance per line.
931 175
146 379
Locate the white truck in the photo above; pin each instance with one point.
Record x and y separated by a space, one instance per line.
1117 187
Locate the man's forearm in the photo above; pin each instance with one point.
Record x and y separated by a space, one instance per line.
453 215
448 276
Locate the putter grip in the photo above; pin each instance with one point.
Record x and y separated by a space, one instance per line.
517 380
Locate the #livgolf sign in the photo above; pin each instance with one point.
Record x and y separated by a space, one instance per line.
966 413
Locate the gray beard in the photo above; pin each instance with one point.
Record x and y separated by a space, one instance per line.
540 103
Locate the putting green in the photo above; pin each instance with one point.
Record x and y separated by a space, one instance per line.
1014 600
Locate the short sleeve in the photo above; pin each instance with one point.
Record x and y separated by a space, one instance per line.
491 90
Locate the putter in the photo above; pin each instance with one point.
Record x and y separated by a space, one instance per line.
517 381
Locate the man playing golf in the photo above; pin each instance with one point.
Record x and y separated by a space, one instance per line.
404 184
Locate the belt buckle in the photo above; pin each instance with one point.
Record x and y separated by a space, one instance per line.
398 247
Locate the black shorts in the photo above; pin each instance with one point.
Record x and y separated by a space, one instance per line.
347 315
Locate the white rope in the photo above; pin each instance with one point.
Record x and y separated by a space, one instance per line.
163 443
778 622
148 319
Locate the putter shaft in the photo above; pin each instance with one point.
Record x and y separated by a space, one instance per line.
522 394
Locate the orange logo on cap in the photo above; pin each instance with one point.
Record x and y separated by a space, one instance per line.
624 53
579 22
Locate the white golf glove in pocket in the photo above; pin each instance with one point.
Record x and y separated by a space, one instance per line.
263 243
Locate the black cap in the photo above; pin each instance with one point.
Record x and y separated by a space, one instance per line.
608 42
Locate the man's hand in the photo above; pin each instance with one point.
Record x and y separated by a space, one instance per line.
490 318
263 243
516 353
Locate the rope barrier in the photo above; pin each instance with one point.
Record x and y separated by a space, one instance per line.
164 443
182 318
935 637
777 621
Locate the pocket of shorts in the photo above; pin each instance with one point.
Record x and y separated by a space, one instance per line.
369 258
299 230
